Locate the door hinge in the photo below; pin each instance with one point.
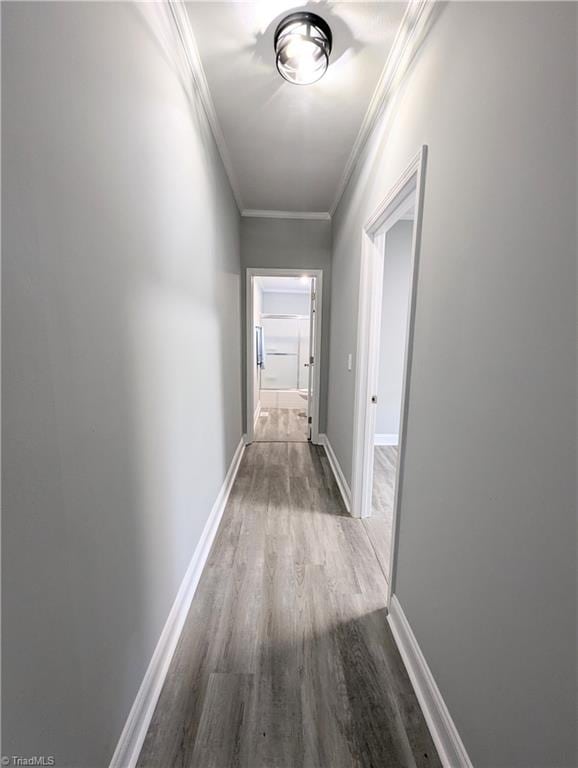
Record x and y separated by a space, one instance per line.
374 398
310 419
311 360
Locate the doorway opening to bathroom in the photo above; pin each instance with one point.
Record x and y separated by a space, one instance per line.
283 329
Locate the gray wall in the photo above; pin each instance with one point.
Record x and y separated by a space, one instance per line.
121 363
291 244
394 311
487 564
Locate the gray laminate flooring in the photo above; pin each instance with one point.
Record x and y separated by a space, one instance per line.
379 525
385 459
282 424
286 659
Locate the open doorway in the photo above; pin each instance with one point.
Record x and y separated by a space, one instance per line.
386 316
395 298
283 313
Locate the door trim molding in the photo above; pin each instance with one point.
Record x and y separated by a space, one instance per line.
342 483
250 273
256 414
407 191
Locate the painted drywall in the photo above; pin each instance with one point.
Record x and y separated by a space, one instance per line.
121 315
286 303
291 244
577 351
392 339
486 572
257 311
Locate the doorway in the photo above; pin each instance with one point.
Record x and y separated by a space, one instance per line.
389 265
283 328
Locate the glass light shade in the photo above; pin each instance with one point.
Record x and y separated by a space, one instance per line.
302 46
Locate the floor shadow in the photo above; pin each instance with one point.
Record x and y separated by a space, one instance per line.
320 687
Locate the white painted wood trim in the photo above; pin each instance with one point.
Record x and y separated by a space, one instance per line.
342 483
250 273
407 38
451 749
135 729
186 37
413 24
266 214
318 357
386 439
420 165
256 415
391 209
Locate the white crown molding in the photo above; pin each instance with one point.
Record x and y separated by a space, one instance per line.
186 37
414 20
306 215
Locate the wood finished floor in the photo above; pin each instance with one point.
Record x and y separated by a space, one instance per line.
286 659
385 459
282 425
379 525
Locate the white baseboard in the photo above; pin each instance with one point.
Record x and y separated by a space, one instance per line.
337 471
256 415
133 734
449 745
386 439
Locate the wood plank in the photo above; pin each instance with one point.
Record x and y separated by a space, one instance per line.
379 533
282 424
286 659
385 458
220 739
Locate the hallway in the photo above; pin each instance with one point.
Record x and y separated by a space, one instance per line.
245 243
296 665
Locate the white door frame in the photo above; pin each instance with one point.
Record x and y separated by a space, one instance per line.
252 272
408 189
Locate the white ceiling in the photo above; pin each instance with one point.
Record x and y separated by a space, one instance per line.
288 144
283 284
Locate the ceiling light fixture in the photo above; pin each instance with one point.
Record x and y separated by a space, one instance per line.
303 43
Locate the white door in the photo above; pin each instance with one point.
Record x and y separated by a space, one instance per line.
311 393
